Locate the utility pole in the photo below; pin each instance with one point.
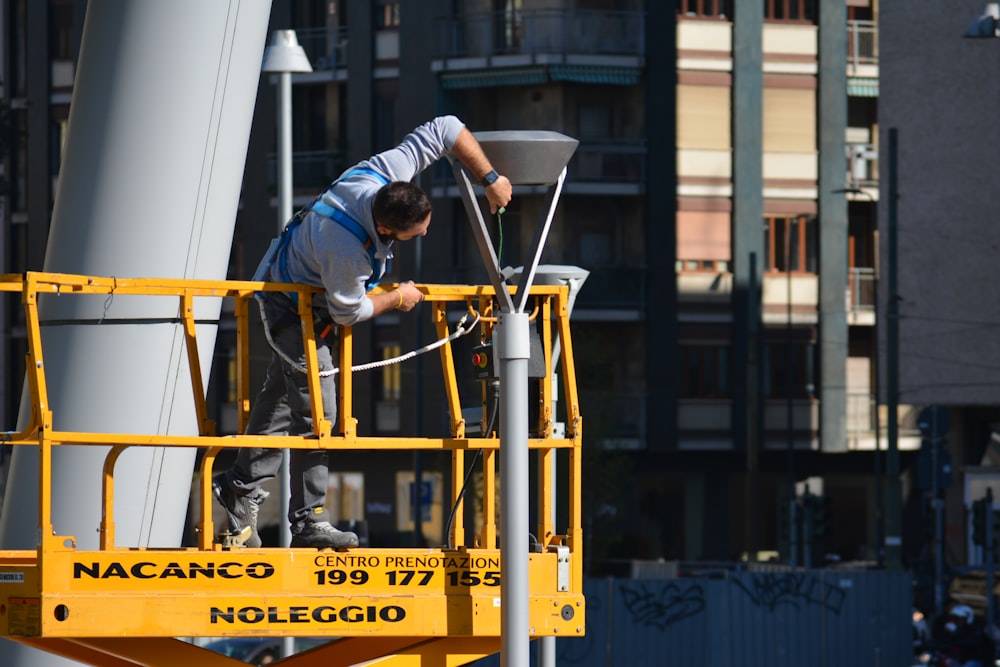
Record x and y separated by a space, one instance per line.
893 522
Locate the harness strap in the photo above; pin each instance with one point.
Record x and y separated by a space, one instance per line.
331 213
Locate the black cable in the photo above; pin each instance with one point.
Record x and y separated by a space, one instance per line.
494 391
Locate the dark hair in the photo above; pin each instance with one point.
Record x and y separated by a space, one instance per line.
400 205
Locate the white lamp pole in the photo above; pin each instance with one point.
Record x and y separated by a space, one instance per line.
283 57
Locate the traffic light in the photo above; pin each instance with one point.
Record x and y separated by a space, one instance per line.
820 514
979 519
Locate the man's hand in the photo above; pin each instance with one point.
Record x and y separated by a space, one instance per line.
404 297
411 296
498 194
470 153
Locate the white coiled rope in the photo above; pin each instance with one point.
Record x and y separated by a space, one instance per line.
460 331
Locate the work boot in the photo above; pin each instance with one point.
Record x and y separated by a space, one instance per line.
242 510
320 534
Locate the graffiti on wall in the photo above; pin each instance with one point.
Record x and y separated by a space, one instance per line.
769 590
662 605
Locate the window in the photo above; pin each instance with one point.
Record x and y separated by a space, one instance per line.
695 265
508 26
705 371
595 121
790 10
790 244
789 370
706 8
61 44
387 15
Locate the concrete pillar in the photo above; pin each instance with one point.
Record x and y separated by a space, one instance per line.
149 187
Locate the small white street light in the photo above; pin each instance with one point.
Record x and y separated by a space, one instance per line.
283 57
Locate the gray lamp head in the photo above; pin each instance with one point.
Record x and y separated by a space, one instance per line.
987 25
284 54
528 157
559 274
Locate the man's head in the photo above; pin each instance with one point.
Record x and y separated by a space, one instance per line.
401 210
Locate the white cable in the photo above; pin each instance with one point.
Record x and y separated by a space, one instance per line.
459 331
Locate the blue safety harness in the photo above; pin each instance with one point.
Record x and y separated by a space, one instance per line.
277 256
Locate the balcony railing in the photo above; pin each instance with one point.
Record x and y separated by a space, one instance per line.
862 165
617 161
614 288
552 31
861 288
617 420
609 161
862 43
860 417
326 47
310 169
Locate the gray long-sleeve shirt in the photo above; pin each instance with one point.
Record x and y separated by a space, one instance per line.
323 253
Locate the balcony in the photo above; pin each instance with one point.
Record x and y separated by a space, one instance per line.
861 414
862 168
861 296
537 46
620 289
607 167
610 167
862 59
327 51
862 44
618 421
311 170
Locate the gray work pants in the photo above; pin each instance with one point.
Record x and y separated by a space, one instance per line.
282 407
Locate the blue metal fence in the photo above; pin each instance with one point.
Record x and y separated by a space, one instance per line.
800 618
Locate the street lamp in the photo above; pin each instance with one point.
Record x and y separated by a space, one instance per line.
283 57
527 158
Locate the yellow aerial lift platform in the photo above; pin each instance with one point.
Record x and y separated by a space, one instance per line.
123 606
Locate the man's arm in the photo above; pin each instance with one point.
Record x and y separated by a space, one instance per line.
470 153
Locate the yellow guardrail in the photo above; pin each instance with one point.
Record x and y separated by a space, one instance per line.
60 591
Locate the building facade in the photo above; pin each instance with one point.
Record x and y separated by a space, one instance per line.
724 199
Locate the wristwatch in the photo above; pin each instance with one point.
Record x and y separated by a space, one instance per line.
490 178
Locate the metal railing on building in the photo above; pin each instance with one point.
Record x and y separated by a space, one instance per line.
861 289
542 31
861 412
326 47
618 160
617 420
862 165
310 169
614 288
862 43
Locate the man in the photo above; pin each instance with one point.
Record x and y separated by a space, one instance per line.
342 242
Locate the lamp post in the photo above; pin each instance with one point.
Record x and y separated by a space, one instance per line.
283 57
795 536
526 158
893 509
879 496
